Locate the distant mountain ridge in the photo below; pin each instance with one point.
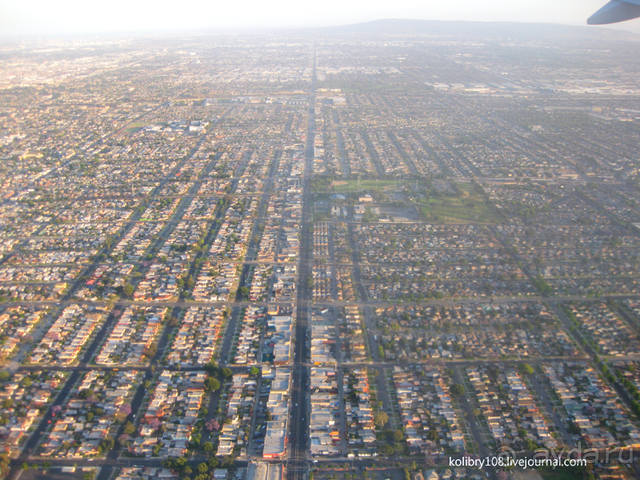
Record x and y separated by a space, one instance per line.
460 29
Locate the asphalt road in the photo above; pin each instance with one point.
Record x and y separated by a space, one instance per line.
297 465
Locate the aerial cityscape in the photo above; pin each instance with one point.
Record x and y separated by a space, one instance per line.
385 251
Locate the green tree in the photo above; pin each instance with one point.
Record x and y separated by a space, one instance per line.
380 419
457 390
127 290
212 384
129 428
211 368
243 292
526 369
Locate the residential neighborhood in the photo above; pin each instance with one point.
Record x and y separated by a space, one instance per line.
381 251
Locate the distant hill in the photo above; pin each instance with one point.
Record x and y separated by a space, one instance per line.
475 30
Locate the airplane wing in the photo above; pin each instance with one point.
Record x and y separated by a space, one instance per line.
616 11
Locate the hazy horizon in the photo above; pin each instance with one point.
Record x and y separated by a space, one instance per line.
72 17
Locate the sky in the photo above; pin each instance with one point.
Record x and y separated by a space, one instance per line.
28 17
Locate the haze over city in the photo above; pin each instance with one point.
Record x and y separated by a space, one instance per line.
40 17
